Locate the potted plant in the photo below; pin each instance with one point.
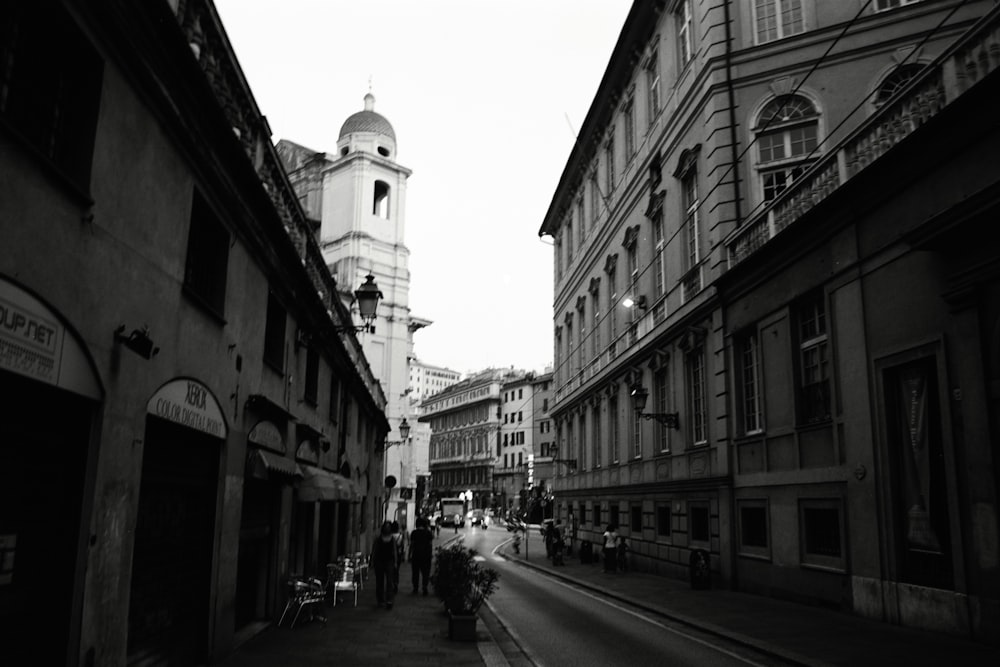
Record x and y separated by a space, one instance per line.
462 584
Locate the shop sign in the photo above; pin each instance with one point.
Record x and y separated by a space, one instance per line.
267 434
189 403
30 342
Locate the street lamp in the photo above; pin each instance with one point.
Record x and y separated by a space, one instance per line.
404 432
639 397
367 297
571 463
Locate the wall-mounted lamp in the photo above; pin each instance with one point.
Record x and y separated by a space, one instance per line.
637 302
138 341
555 458
404 434
639 397
367 297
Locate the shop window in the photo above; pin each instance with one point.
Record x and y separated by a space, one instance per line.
613 517
753 528
274 334
207 257
50 86
699 526
663 520
821 533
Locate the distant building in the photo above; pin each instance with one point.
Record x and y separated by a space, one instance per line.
511 474
465 422
543 439
425 380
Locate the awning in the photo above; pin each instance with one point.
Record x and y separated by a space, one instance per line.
265 465
319 484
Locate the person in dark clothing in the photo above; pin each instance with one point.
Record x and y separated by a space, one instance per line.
421 553
385 561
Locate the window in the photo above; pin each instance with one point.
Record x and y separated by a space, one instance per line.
609 162
595 331
684 39
312 376
569 240
612 302
753 529
595 199
520 415
207 257
50 86
582 452
777 19
596 438
821 531
636 434
581 317
659 265
663 520
749 366
653 81
699 396
380 204
628 120
896 80
613 423
660 396
558 255
692 230
545 407
569 345
699 526
581 224
583 514
274 334
883 5
786 136
597 515
635 520
814 365
613 517
334 398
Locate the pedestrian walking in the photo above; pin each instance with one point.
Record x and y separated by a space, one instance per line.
610 548
458 517
557 543
385 561
622 553
421 553
397 538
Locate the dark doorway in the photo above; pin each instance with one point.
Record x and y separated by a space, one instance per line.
917 459
174 538
261 504
44 442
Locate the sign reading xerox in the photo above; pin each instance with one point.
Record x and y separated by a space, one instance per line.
189 403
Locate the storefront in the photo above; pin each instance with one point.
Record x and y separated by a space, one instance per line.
49 400
175 534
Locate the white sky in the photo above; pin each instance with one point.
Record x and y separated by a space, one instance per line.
482 96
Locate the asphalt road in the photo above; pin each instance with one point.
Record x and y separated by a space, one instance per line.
556 624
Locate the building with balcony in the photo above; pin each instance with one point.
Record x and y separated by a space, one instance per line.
515 455
755 241
188 417
425 380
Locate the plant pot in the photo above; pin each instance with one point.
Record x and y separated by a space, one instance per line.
462 627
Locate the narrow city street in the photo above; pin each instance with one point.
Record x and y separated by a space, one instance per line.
556 623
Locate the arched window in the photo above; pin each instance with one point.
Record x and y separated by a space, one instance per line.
380 205
787 129
894 81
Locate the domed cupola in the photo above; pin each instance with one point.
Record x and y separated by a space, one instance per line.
367 131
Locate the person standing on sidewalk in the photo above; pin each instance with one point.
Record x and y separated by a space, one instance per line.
421 552
610 548
385 560
398 538
622 550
